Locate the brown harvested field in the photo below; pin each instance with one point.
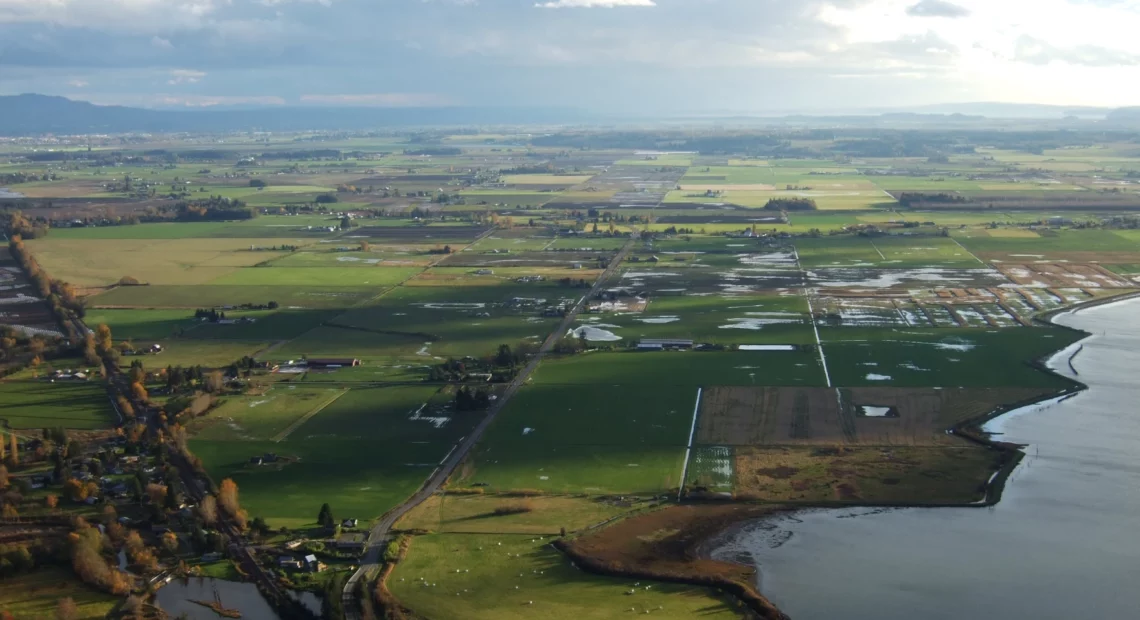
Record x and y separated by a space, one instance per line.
1074 275
758 416
903 474
742 416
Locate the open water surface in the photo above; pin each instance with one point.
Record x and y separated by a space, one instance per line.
1064 542
176 598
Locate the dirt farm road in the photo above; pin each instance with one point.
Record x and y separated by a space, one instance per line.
378 537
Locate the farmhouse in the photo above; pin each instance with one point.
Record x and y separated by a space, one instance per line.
332 362
661 344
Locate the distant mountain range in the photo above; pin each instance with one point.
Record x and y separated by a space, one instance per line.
37 114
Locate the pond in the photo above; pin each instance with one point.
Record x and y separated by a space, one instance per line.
176 598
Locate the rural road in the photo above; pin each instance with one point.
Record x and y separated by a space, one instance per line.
238 549
378 537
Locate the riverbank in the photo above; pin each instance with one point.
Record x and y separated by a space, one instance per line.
1056 546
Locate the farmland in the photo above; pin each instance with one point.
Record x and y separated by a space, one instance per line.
642 329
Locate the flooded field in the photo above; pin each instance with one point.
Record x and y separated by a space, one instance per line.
1060 544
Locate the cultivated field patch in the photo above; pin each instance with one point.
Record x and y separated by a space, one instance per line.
742 416
34 403
920 475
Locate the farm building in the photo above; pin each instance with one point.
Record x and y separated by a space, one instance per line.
659 344
312 564
332 362
287 561
350 542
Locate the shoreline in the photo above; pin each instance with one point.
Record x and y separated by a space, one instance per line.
981 430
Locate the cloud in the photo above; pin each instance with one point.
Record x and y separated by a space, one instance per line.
1038 52
590 4
679 54
937 8
78 83
185 76
380 100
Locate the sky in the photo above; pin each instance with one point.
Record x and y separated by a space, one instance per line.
612 56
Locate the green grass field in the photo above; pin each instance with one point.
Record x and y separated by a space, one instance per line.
362 453
40 403
490 569
211 295
491 514
36 596
942 356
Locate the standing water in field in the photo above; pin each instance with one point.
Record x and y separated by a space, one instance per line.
1061 543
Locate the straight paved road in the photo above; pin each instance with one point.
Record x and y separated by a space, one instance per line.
378 537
